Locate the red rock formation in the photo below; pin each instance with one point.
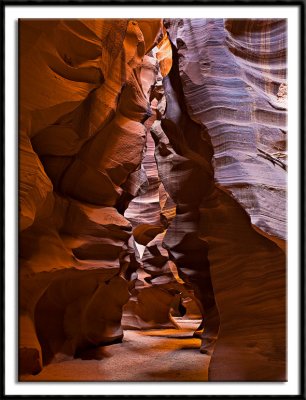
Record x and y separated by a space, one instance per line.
82 107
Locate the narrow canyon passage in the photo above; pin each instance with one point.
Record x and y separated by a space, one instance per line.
152 200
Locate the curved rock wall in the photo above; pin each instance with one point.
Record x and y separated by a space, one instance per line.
234 78
83 101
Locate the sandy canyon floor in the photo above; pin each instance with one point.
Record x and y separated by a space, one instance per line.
152 355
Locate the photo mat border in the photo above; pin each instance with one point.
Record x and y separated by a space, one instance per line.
300 193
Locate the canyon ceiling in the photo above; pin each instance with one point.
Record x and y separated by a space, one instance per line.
152 181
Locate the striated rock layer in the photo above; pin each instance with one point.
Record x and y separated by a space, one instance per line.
225 134
234 74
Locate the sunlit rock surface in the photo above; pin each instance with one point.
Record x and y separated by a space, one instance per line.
82 108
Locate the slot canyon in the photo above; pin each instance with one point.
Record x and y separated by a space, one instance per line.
152 199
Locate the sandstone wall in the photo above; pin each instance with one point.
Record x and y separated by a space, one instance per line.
83 100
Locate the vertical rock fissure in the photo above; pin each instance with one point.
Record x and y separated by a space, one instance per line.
183 154
159 293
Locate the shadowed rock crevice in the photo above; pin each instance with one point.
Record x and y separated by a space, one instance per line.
181 169
158 295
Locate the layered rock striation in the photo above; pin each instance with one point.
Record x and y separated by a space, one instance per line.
225 133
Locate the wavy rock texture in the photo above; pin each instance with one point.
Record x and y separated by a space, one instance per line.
83 102
231 80
234 78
